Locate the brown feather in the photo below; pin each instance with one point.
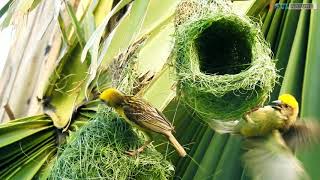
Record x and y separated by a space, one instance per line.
145 115
302 134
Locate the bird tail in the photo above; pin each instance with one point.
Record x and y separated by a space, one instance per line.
224 127
177 145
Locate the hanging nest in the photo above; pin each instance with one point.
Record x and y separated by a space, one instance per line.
223 64
97 151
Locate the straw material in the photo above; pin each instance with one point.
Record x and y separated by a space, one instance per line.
223 64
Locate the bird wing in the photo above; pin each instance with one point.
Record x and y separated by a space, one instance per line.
302 134
145 115
269 158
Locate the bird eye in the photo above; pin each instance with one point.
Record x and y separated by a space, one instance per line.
286 105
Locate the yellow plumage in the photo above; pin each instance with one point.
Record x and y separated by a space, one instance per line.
289 100
271 134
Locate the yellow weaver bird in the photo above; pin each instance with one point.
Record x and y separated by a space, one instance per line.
281 115
272 133
139 113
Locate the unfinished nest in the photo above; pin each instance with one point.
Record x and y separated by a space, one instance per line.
223 64
97 151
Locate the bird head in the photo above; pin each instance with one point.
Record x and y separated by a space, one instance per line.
287 105
112 97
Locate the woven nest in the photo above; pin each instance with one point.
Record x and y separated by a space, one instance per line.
97 151
223 64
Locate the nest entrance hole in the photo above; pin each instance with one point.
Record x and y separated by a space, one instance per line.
225 47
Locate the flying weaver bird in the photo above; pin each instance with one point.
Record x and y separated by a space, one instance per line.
272 133
139 113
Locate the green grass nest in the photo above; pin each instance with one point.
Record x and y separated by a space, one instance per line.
96 151
223 64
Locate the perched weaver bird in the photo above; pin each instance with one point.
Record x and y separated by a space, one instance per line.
142 115
272 133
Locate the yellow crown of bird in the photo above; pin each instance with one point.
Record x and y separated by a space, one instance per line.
289 100
110 93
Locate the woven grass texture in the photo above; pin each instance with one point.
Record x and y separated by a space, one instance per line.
223 64
97 151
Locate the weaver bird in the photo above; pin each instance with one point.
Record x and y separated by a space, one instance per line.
271 135
139 113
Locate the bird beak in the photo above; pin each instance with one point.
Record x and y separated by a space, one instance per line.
104 102
276 104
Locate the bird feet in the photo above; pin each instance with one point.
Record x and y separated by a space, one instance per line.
247 118
133 152
139 150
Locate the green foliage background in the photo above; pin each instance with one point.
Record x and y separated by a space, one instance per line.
293 36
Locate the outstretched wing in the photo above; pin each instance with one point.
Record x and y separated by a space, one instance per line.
269 158
302 134
145 115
